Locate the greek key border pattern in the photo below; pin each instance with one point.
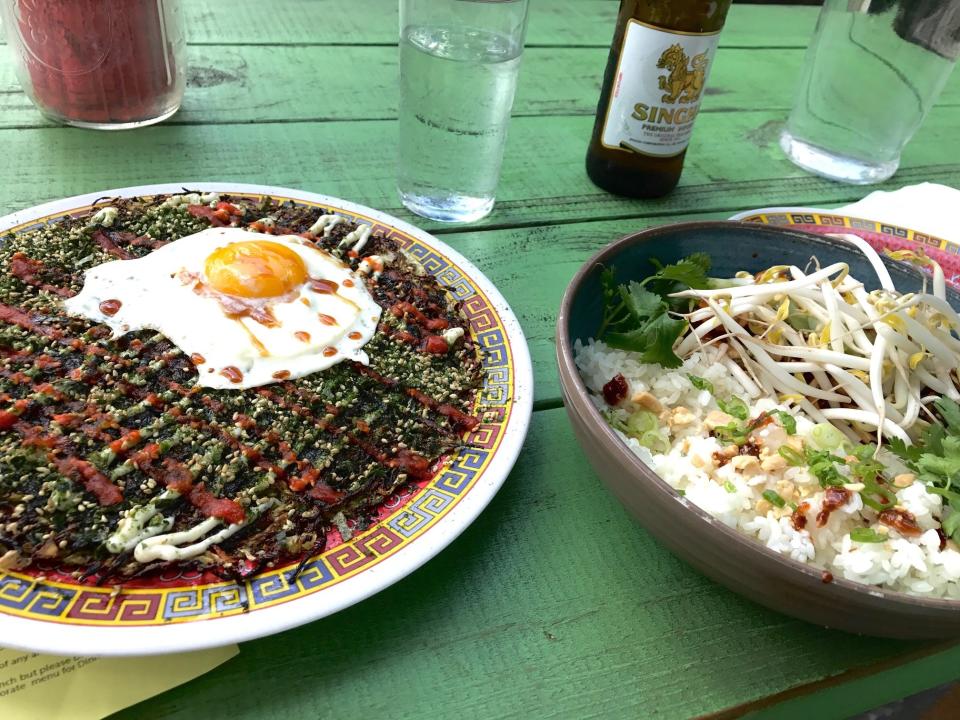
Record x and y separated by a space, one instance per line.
842 221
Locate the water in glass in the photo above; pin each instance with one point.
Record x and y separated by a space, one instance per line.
457 87
864 91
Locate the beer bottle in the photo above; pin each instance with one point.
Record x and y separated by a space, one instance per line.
658 65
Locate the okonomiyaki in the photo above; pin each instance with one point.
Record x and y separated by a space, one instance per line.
215 382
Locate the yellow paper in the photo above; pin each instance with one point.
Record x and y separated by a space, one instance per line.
85 688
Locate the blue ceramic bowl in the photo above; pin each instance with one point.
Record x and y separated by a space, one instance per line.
741 563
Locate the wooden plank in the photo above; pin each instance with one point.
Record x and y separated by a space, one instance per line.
842 695
554 604
734 162
559 23
237 84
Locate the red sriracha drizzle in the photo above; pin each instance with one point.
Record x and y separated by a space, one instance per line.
93 480
435 345
210 505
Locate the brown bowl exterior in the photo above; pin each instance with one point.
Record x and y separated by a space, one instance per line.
725 555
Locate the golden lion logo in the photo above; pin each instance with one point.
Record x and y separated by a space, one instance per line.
683 84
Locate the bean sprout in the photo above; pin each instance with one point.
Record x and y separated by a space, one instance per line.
855 358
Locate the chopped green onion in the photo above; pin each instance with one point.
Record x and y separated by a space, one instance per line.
787 420
873 502
792 456
615 421
729 487
700 383
654 441
735 407
864 452
823 467
866 469
682 493
731 433
774 498
642 421
868 472
866 535
825 436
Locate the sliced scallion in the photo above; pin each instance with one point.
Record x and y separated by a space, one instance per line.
642 421
866 535
774 498
793 457
787 420
825 436
701 383
654 441
734 407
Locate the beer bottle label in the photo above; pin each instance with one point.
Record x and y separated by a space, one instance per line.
657 89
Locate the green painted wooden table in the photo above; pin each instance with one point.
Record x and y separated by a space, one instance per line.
554 603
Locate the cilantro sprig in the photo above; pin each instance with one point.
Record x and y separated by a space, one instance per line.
637 315
935 459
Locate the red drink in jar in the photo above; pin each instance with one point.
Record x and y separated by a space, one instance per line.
99 63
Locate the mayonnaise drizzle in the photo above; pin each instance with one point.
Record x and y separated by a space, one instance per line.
169 547
452 335
326 224
138 524
360 235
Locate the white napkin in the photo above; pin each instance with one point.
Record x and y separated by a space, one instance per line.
928 208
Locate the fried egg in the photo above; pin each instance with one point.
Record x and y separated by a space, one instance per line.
247 308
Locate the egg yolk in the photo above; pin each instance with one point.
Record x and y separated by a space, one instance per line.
255 269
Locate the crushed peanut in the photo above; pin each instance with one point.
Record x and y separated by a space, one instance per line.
715 419
772 463
681 416
647 402
904 480
746 464
786 489
728 452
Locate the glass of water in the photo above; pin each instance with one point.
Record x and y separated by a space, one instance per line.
872 71
458 72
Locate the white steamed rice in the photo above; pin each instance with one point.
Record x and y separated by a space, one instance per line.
732 492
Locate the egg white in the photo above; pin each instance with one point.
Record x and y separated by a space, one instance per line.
153 294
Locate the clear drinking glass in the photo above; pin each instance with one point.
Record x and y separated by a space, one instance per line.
458 72
104 64
872 71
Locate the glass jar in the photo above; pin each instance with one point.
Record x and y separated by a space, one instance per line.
100 64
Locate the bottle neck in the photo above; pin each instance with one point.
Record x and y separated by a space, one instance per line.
692 16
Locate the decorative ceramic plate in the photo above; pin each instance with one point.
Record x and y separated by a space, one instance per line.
880 235
47 611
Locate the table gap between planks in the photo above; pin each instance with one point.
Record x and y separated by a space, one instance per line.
553 603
